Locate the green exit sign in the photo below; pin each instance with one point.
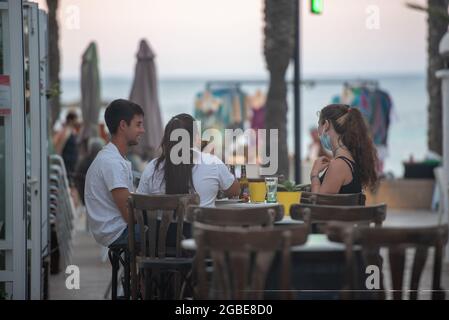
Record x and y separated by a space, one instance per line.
316 6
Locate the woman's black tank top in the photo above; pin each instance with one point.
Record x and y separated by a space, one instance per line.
355 186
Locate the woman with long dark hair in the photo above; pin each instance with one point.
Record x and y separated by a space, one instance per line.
352 168
198 172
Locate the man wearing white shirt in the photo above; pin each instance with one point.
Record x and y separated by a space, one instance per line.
109 179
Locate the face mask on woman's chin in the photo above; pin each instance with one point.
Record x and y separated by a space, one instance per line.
325 140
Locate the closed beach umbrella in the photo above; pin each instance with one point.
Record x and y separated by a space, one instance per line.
144 93
90 94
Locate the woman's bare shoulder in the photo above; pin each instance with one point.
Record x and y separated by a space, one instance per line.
338 165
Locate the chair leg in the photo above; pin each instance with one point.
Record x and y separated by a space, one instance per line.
165 285
187 285
177 286
115 265
147 289
152 285
141 284
180 283
177 283
108 289
159 285
169 286
126 286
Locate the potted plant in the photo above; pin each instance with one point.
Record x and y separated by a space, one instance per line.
289 193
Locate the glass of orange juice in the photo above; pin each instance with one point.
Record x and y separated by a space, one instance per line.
257 191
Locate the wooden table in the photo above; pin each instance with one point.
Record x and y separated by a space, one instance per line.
235 204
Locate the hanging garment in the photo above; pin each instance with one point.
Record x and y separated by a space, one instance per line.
258 118
220 108
375 106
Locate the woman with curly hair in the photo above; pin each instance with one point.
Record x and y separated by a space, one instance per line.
343 131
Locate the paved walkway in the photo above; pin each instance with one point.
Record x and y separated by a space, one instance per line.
95 274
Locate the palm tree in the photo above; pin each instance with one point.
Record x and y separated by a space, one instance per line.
53 61
278 50
437 20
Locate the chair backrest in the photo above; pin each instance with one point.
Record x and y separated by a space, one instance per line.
396 241
310 213
242 257
263 216
352 199
153 215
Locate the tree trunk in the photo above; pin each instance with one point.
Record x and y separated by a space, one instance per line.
53 61
276 118
278 50
437 27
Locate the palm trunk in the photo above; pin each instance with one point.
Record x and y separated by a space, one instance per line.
437 27
53 61
278 49
276 117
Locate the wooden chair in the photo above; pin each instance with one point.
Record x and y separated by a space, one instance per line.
154 254
352 199
226 217
242 258
396 241
317 216
259 216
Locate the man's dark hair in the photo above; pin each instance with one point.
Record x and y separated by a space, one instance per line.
119 110
71 116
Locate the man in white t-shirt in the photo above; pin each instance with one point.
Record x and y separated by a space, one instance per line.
109 179
209 176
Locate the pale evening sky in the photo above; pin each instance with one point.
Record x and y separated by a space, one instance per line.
194 38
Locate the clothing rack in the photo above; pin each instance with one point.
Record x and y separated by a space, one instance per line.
308 83
362 83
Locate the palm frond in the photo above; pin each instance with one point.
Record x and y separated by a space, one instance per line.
432 11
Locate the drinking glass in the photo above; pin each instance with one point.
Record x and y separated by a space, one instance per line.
271 184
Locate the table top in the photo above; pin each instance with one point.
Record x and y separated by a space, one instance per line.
315 242
238 204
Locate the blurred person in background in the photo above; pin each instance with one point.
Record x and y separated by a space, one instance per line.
66 143
315 149
95 145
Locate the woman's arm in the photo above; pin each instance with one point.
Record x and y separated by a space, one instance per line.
319 165
333 180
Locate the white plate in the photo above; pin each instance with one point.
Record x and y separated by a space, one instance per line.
227 201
